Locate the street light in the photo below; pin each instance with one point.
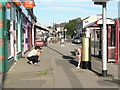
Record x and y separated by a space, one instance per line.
65 30
104 36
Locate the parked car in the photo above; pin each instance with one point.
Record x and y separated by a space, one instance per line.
76 40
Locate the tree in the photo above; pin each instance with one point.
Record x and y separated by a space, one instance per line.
71 27
49 27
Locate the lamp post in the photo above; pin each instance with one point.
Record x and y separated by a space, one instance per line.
65 30
104 36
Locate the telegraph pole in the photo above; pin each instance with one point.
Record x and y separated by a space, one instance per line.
104 36
104 42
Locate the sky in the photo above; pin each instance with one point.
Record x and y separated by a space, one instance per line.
59 11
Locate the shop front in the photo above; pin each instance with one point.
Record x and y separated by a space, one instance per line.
29 34
25 33
10 46
13 34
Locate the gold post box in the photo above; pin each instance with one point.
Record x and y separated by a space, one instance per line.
86 53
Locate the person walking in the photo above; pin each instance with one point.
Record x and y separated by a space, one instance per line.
34 55
79 53
62 42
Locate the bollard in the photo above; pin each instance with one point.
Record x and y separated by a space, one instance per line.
86 53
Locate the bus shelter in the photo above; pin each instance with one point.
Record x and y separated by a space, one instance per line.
95 30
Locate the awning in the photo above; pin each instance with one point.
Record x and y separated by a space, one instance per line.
41 28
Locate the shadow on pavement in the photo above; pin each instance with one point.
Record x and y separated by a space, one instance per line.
97 73
55 50
116 81
73 62
73 53
110 82
63 56
69 58
108 75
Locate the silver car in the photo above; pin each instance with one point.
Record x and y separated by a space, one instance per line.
76 40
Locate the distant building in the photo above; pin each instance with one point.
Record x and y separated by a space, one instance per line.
79 26
59 28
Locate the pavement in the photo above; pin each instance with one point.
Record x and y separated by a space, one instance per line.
57 69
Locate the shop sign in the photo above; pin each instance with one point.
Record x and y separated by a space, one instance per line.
8 5
16 2
39 43
28 4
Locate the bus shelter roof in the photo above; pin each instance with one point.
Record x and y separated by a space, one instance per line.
99 22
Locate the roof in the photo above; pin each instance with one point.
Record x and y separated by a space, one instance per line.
86 18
